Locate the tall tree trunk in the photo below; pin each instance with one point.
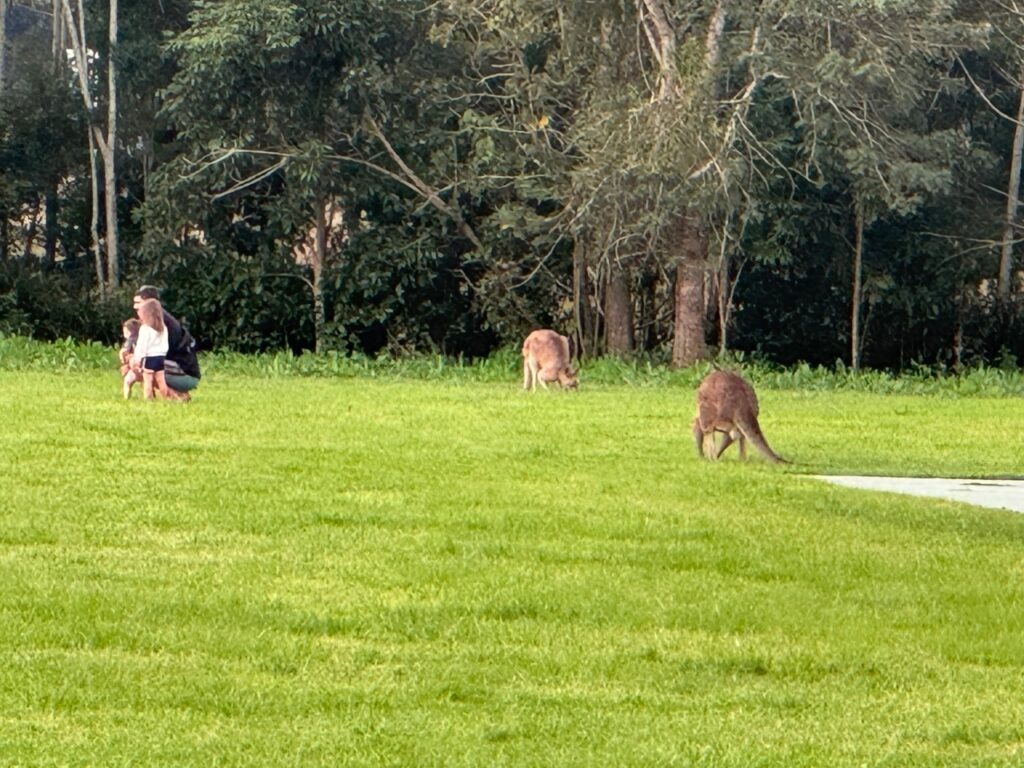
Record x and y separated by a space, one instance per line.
713 41
110 215
3 46
56 37
726 298
149 237
94 229
30 233
646 308
725 287
661 37
75 34
109 152
319 259
858 268
586 342
1012 201
50 227
958 348
618 316
105 145
688 344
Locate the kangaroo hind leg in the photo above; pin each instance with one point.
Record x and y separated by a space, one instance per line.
729 439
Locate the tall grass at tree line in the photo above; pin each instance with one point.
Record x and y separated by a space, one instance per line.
426 566
20 353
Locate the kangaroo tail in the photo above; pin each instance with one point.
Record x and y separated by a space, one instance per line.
752 431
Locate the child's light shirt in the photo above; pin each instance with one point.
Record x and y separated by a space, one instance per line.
150 343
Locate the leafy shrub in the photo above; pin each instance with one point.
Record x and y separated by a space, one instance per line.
52 305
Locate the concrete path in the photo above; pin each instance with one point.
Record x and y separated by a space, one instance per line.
1000 494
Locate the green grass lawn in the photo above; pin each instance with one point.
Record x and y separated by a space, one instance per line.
384 572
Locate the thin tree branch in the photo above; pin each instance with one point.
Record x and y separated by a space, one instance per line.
982 94
421 186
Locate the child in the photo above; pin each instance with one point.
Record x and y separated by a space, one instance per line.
130 329
151 348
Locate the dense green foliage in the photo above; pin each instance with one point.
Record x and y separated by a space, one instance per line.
570 585
498 165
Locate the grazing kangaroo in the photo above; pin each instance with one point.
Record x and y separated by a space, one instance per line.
546 358
726 403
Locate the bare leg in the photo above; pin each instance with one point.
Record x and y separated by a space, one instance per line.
181 397
147 385
161 386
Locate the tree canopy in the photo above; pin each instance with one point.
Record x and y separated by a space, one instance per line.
795 179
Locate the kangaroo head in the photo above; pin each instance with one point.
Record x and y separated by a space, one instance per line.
567 377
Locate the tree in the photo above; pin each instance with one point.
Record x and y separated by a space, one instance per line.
275 104
1005 274
103 141
1006 65
539 86
3 47
452 174
865 116
40 154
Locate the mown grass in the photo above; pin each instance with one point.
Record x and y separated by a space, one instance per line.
384 570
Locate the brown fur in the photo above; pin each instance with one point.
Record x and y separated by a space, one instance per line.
726 403
546 358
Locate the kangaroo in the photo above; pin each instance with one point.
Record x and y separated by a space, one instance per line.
726 403
546 358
